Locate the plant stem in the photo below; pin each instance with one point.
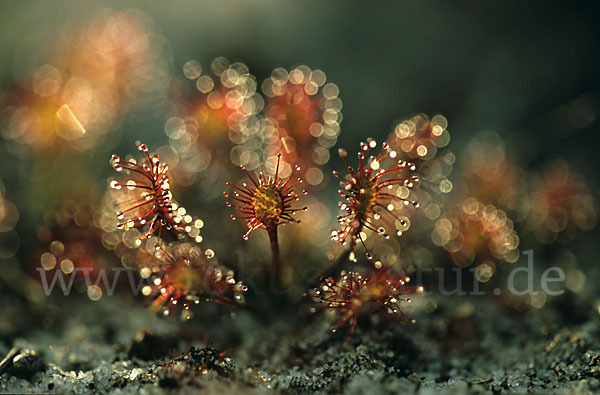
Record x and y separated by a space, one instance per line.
335 267
276 259
332 269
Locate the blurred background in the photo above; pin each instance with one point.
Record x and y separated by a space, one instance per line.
507 148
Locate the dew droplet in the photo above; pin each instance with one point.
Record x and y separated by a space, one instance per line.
142 147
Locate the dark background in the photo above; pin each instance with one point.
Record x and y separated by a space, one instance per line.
502 66
521 70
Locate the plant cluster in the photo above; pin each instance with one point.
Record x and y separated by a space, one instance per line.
184 274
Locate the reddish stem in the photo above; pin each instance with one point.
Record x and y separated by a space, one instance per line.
275 258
